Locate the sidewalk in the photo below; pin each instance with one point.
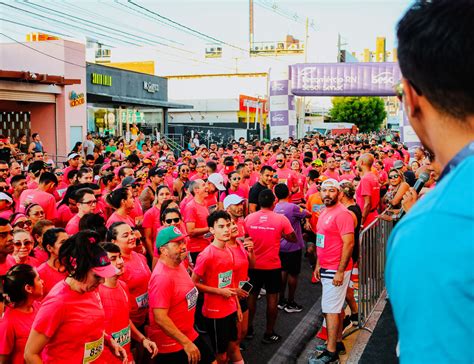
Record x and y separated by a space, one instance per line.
364 346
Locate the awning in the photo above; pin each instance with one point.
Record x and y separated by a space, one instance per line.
135 101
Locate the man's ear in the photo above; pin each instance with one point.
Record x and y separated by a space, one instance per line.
411 100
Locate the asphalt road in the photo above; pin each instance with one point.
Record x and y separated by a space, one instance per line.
294 338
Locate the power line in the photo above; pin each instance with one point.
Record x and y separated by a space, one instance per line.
272 6
43 53
42 17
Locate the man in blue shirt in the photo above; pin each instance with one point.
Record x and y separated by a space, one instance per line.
430 269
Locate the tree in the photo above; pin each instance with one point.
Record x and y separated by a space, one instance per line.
368 113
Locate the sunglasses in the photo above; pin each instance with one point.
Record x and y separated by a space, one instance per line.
175 220
185 170
59 173
394 176
19 244
4 170
23 224
279 160
236 179
4 234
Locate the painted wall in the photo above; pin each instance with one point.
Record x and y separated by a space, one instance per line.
59 58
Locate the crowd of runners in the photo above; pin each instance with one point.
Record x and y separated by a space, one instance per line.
131 253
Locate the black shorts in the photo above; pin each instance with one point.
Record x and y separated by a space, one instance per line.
222 331
270 279
291 262
180 357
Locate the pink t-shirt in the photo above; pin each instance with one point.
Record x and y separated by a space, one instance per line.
117 320
347 176
266 228
241 264
136 276
151 220
64 214
66 172
333 223
215 267
44 199
137 209
116 217
15 327
172 289
7 264
287 176
40 255
75 324
332 174
369 186
50 277
72 226
198 214
6 214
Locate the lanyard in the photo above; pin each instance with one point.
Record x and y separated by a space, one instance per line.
465 152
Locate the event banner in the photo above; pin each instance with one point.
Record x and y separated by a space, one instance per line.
344 79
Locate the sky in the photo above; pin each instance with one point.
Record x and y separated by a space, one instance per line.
166 31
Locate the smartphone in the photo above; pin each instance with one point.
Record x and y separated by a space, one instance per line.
247 287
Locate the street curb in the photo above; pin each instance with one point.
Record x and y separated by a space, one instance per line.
364 335
294 345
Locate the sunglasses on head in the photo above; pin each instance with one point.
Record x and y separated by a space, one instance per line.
175 220
22 224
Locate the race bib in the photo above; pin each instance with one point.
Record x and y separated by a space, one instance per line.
93 350
123 336
320 240
191 298
225 279
142 300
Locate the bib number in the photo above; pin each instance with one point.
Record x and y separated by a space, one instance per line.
123 336
142 300
225 279
93 350
191 298
316 208
320 240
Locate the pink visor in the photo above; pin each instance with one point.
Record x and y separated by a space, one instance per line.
105 271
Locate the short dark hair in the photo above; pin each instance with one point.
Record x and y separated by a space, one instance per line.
282 191
266 168
266 198
79 194
313 174
435 53
112 232
212 166
94 222
48 177
110 247
16 179
50 237
215 216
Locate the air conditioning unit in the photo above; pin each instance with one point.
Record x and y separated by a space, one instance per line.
280 45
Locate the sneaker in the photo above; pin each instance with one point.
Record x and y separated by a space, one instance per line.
355 319
340 348
293 307
282 304
271 338
325 357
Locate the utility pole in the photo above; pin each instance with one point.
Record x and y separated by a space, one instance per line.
250 25
339 46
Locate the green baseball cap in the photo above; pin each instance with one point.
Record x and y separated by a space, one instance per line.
317 162
167 235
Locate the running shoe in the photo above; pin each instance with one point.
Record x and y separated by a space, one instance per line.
292 307
340 348
325 357
282 304
271 338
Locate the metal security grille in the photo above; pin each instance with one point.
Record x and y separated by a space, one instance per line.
15 123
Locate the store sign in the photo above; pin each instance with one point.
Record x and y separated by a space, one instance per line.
252 103
100 79
151 87
76 99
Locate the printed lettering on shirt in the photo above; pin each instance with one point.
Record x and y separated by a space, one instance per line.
142 300
191 298
92 350
123 336
225 279
320 240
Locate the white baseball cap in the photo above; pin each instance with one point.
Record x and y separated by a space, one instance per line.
232 200
5 197
217 180
331 182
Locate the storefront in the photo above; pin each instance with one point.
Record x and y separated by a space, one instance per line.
117 98
42 90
